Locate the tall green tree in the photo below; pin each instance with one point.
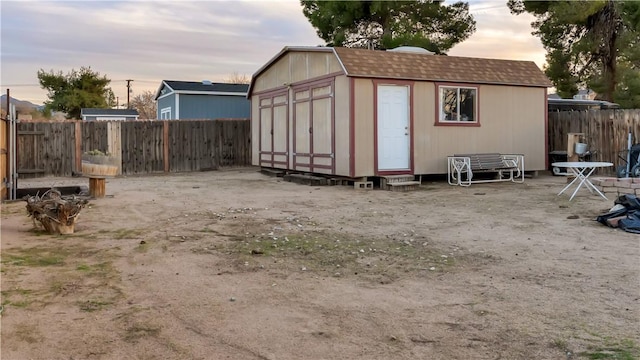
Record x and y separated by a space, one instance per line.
77 89
592 44
388 24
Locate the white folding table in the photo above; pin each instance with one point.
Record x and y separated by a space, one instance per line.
582 170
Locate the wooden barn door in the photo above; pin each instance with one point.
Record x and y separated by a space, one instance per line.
313 127
274 130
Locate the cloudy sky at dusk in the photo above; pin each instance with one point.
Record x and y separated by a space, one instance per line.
149 41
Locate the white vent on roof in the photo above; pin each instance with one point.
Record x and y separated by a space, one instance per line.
206 82
412 49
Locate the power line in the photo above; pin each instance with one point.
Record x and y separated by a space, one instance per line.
143 81
18 85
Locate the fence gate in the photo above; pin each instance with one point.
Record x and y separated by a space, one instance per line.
30 152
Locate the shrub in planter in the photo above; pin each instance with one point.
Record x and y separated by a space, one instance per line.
98 163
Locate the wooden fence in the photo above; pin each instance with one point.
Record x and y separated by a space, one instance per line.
605 132
55 149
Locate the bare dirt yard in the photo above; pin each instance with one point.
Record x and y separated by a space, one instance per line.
238 265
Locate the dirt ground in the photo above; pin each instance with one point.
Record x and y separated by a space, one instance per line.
238 265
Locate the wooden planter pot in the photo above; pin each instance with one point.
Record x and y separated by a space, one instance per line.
97 168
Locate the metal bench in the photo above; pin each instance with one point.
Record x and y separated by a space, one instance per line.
461 168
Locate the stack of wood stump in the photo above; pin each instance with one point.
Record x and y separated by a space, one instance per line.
56 213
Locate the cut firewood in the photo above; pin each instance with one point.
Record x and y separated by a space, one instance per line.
56 213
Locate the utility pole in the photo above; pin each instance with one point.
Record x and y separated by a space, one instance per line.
128 91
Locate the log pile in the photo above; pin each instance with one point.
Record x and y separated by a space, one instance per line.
56 213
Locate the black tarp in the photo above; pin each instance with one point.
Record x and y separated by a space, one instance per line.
629 208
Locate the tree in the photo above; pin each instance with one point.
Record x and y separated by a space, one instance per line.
145 104
237 78
590 44
78 89
388 24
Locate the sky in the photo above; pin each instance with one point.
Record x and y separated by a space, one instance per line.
151 41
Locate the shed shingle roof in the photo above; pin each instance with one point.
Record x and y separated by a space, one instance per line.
416 66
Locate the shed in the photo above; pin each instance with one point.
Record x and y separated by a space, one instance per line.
359 113
93 114
197 100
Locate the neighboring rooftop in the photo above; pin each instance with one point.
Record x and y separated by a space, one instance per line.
579 104
206 86
108 112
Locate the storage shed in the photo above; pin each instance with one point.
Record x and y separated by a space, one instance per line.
360 113
198 100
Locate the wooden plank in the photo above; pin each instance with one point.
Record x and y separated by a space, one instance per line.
114 142
31 133
77 137
30 171
165 146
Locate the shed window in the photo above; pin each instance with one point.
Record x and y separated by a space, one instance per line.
165 113
458 104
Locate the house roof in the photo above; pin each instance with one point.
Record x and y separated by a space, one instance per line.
203 87
108 112
421 66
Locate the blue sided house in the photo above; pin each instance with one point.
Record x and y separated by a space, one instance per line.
193 100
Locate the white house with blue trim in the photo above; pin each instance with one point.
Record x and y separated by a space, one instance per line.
193 100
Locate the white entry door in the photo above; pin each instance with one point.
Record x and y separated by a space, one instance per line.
393 128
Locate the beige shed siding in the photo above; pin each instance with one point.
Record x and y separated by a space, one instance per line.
255 130
511 119
363 137
293 67
342 128
423 130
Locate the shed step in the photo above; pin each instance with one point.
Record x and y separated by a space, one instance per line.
398 178
406 186
404 183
